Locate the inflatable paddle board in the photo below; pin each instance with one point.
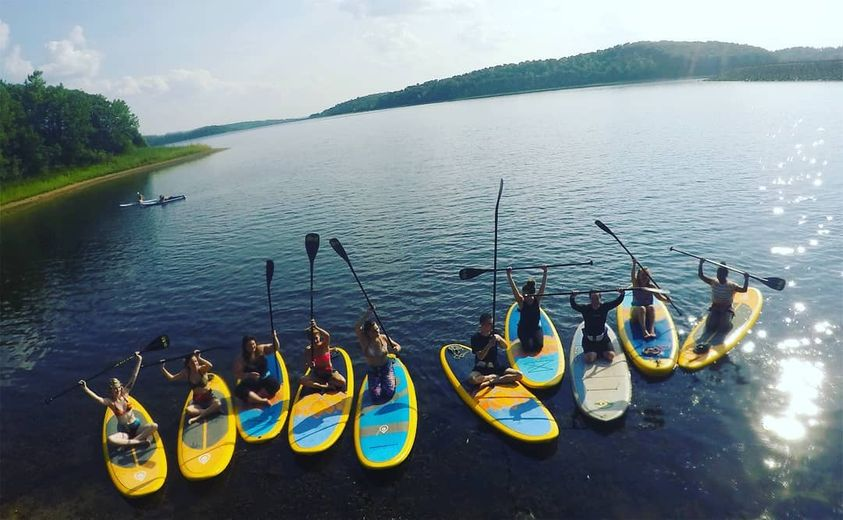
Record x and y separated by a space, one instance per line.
541 369
384 433
135 471
206 446
262 423
655 356
747 308
510 408
317 419
603 389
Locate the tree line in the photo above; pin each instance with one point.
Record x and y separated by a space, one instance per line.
43 128
640 61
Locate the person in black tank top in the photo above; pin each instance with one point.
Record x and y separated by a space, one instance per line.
530 333
256 386
487 368
595 339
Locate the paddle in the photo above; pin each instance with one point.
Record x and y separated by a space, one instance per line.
605 228
162 361
311 243
772 282
616 289
495 262
335 243
270 271
159 343
470 272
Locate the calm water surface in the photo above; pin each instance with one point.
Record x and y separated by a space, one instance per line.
747 173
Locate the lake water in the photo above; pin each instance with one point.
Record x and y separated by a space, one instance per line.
750 173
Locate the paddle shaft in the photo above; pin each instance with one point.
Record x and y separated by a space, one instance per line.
159 343
368 301
605 228
774 283
270 271
311 244
174 358
495 261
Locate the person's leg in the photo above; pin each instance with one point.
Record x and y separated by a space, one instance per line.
651 321
388 380
213 408
270 386
510 375
337 381
375 384
639 316
309 381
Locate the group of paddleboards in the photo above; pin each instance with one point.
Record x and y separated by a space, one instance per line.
500 393
160 201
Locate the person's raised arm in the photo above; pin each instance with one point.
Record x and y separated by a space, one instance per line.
393 346
544 283
358 328
617 301
515 293
169 376
633 278
745 286
203 363
131 383
91 393
702 276
574 304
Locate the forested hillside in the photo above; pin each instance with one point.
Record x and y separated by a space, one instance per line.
205 131
829 70
48 127
641 61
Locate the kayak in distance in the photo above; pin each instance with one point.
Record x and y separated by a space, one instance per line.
154 202
702 348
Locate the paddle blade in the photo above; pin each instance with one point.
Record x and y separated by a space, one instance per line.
469 272
603 226
335 243
159 343
775 283
270 271
311 243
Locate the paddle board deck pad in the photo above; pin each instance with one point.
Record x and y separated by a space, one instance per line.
384 433
154 202
262 423
135 471
541 369
747 308
510 408
655 356
206 446
317 418
602 389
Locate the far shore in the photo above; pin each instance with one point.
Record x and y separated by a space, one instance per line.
42 197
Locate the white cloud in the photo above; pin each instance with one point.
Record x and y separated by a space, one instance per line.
4 35
388 8
393 39
72 57
16 67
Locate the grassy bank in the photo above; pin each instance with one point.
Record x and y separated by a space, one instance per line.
142 157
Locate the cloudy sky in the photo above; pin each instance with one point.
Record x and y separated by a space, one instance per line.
188 63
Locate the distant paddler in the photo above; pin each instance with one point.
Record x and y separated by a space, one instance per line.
530 332
140 198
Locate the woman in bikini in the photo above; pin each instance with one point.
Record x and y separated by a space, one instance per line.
376 349
256 386
643 312
130 431
322 375
197 373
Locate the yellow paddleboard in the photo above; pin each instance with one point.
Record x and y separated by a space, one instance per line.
206 446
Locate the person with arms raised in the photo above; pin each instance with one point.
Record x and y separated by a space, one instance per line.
530 332
595 338
256 386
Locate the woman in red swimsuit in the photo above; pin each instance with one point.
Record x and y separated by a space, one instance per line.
197 373
322 375
130 431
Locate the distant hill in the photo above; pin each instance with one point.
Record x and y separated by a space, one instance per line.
205 131
632 62
829 70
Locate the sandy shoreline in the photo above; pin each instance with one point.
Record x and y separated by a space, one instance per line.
41 197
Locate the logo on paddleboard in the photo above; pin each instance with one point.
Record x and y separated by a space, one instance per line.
140 476
204 458
383 428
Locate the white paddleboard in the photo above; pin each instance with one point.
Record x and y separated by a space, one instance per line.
603 389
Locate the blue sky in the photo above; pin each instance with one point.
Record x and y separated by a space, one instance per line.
188 63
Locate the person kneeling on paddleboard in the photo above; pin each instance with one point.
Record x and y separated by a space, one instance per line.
256 386
322 374
643 311
530 332
595 337
130 431
196 372
487 370
376 347
723 291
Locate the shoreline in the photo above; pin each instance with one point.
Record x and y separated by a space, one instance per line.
42 197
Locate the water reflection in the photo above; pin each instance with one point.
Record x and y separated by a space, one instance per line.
800 382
